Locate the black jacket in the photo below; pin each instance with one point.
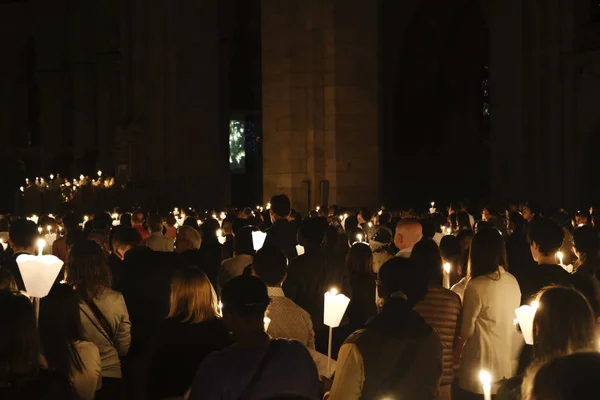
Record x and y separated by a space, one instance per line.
283 235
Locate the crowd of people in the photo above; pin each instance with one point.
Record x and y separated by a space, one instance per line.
148 306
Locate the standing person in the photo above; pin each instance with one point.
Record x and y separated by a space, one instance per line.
59 247
440 308
244 253
103 312
408 233
171 229
22 376
518 249
359 263
282 234
137 222
586 246
255 367
22 236
314 273
63 345
157 241
397 355
531 211
575 332
491 297
192 330
288 320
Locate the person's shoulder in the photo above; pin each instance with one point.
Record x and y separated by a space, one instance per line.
87 350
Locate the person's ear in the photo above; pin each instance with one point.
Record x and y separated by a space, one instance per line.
253 272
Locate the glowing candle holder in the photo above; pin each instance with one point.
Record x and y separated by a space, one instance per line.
258 240
267 322
560 256
447 267
39 273
359 237
299 249
4 245
525 315
334 309
222 238
486 383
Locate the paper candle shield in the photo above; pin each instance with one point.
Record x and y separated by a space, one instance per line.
299 250
258 240
267 322
335 307
525 315
38 273
50 239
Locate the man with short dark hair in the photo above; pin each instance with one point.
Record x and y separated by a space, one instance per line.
314 273
531 211
282 234
545 239
157 241
288 320
397 355
22 235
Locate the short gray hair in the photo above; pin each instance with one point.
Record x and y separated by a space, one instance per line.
191 235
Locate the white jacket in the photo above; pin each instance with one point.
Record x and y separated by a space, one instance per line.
112 305
487 325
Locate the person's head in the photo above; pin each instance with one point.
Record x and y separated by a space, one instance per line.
242 242
545 238
245 300
426 257
570 377
351 224
586 242
281 206
360 259
60 327
19 340
102 222
582 218
74 236
22 235
364 215
71 222
4 224
88 270
126 220
124 240
187 239
516 223
398 278
385 218
170 220
488 213
137 218
450 249
408 232
463 221
530 211
155 223
270 265
564 322
192 223
312 232
383 235
465 238
193 298
487 253
208 230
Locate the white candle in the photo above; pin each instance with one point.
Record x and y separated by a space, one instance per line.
99 174
486 382
49 229
359 237
447 268
22 189
268 206
41 243
220 309
40 230
560 257
81 177
86 218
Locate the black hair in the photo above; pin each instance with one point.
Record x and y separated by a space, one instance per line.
60 327
125 220
71 222
586 241
245 296
74 236
516 218
102 221
400 275
126 236
312 231
427 258
487 253
270 265
365 213
281 205
23 233
155 223
547 234
463 220
242 242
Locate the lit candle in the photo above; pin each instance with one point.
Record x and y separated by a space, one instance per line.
223 215
560 257
115 216
22 189
370 225
268 206
60 228
199 222
433 204
81 177
318 208
49 229
40 230
380 212
99 174
486 382
41 243
335 306
51 176
220 309
359 237
447 268
86 218
341 217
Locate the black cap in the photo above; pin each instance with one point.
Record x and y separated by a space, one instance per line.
245 295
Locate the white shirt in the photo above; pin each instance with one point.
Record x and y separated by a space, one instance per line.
159 242
231 268
487 325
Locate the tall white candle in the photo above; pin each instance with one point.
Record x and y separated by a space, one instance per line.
447 268
486 383
560 257
41 243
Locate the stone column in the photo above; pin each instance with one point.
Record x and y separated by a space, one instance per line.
320 100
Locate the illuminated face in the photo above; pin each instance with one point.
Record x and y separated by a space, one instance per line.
485 215
527 214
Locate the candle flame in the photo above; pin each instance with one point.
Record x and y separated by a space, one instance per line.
433 204
447 267
99 173
219 232
41 243
333 291
40 230
359 237
485 377
48 228
535 304
81 177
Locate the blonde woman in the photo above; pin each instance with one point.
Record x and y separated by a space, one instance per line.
192 330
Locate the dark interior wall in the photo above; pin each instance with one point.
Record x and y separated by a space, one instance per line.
433 58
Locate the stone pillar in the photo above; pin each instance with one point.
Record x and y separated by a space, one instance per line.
320 100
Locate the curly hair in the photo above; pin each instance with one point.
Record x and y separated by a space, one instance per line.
88 270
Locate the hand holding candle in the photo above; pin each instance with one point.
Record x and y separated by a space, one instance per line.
335 307
525 315
486 382
560 257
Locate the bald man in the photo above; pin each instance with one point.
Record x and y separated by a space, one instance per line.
408 233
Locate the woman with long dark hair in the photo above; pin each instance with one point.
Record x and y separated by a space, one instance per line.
63 345
103 311
491 296
362 280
